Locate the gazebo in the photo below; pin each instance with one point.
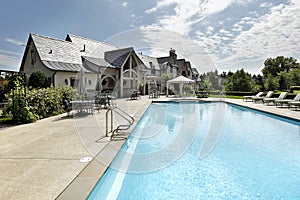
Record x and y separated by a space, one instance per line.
180 80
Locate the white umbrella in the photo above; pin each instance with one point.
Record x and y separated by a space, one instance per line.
81 89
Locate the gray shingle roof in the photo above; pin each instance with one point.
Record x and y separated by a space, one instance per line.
147 59
65 55
95 65
93 48
195 71
163 60
117 57
57 66
98 61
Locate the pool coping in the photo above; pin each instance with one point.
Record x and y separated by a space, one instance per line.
84 183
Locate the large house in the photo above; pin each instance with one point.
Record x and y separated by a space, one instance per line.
105 67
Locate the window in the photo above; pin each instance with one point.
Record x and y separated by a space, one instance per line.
90 82
72 82
66 81
33 57
152 68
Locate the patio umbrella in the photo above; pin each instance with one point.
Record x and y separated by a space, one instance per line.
81 89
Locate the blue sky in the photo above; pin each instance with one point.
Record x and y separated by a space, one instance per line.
226 35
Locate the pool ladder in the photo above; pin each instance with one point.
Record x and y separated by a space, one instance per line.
121 127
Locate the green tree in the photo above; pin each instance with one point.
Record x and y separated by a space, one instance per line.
258 82
213 79
274 66
239 81
207 84
283 82
293 77
272 83
38 80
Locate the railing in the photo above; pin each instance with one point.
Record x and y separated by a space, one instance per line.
122 114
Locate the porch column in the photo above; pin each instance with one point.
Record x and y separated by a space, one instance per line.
130 70
167 89
121 81
138 79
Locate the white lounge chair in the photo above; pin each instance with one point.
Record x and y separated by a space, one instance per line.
286 101
250 97
272 100
295 103
269 94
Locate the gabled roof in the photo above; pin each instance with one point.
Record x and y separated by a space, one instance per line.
51 49
195 70
180 62
95 65
117 57
97 61
163 60
89 47
147 59
65 55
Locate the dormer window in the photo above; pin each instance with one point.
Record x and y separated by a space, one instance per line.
33 56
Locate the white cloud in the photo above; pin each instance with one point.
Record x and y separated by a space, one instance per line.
151 10
9 60
251 40
276 33
15 42
266 5
124 4
210 30
186 13
9 52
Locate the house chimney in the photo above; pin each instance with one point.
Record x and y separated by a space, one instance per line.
173 56
83 49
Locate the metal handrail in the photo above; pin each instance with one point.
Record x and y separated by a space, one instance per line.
122 114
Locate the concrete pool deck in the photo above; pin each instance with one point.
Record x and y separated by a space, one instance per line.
42 160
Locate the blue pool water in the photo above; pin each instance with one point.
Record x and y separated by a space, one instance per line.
255 156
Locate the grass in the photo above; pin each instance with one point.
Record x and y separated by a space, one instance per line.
296 91
227 96
6 120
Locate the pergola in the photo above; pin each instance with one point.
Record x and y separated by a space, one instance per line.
180 80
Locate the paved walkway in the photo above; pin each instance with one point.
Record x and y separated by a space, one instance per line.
45 160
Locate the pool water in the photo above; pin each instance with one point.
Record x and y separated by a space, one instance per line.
255 156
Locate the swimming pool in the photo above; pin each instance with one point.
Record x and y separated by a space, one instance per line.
255 156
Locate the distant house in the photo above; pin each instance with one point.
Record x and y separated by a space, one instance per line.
104 65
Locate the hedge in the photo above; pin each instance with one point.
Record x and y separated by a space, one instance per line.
37 103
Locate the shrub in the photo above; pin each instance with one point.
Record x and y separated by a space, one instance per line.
18 105
38 80
50 101
38 103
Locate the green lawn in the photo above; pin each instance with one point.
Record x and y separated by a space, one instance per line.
227 96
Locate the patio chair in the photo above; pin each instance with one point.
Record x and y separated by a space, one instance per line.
272 100
295 103
250 97
282 102
260 98
134 94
